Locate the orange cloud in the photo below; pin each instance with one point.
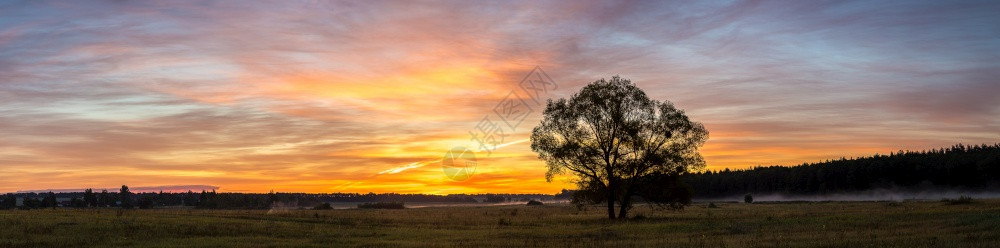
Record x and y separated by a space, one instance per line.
328 96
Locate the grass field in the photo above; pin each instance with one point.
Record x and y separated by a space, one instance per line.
830 224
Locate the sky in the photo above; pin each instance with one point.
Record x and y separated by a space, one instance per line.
369 96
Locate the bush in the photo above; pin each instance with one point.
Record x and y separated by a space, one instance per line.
535 203
748 198
324 206
712 205
961 200
381 205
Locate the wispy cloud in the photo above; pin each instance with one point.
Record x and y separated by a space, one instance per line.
423 163
321 96
407 167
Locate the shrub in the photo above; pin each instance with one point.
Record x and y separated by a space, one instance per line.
535 203
712 205
324 206
382 205
961 200
748 198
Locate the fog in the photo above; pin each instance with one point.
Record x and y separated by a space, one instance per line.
869 195
350 205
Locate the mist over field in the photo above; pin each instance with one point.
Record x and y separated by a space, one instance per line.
517 123
890 194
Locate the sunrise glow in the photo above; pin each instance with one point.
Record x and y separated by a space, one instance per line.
305 96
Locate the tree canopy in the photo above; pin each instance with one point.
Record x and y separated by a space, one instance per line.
959 167
125 197
618 141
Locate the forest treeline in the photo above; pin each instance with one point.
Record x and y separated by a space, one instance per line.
958 167
218 200
973 168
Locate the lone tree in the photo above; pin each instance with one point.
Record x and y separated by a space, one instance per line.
126 197
620 144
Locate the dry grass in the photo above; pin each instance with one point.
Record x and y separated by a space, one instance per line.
861 224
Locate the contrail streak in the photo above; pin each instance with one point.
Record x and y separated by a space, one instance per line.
415 165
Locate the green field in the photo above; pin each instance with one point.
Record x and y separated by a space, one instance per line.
829 224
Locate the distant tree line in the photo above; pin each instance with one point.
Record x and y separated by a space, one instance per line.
957 167
124 198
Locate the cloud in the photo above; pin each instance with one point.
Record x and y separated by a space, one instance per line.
320 96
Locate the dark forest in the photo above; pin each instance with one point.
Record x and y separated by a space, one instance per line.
963 167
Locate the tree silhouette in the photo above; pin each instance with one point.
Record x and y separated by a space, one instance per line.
9 201
90 198
614 138
49 201
31 203
105 199
959 167
190 199
76 202
126 197
146 201
666 190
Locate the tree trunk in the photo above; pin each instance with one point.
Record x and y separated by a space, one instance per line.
611 199
626 204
